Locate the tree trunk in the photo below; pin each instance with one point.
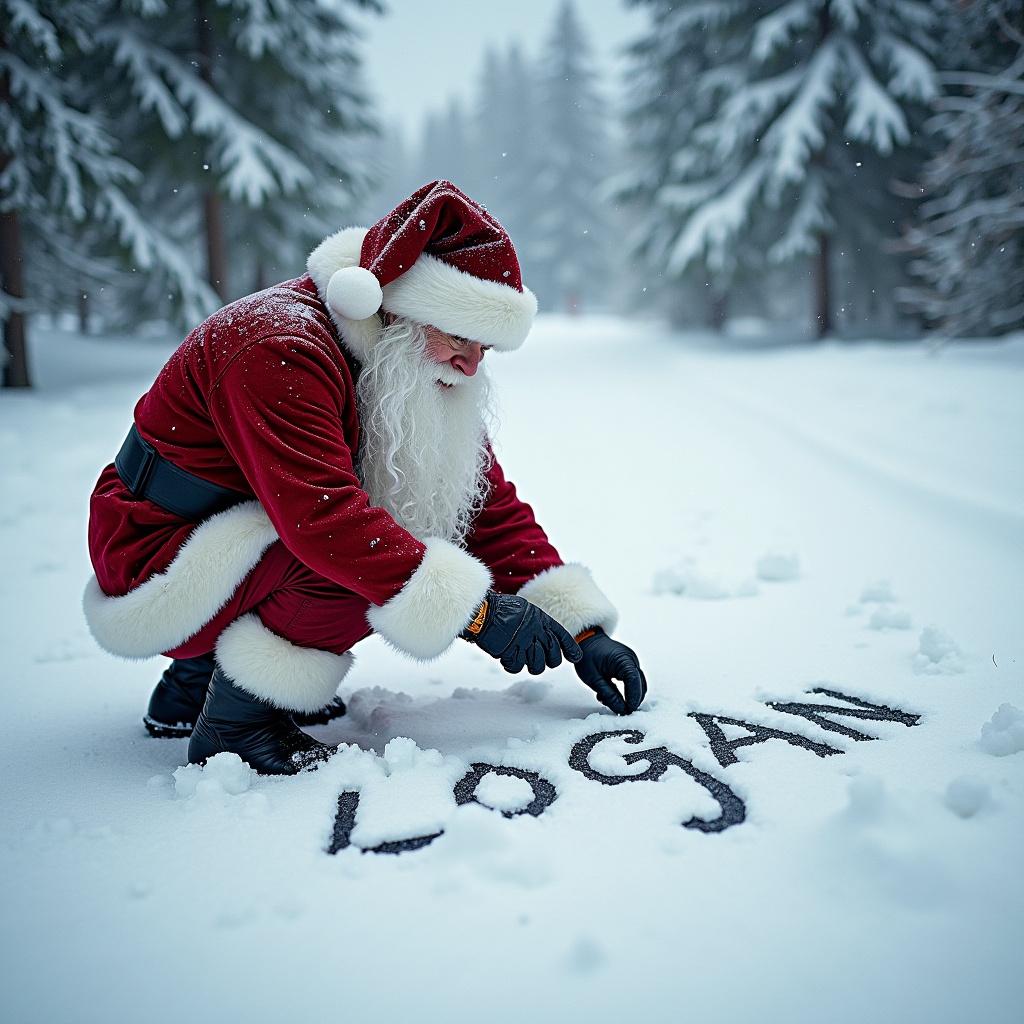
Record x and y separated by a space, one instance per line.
216 246
822 290
717 309
83 311
15 372
16 367
822 280
213 214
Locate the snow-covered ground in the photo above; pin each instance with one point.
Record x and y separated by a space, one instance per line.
771 522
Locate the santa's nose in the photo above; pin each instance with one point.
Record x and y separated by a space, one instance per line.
467 359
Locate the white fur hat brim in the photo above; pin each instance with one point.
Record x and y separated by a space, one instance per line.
429 292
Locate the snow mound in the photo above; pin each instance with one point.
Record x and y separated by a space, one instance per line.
585 957
938 653
490 847
1004 734
778 565
504 792
687 578
884 617
404 794
529 691
966 794
223 782
878 593
867 797
223 775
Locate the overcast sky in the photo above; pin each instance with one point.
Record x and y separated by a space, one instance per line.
421 52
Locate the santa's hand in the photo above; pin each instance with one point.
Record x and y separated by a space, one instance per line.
518 633
605 659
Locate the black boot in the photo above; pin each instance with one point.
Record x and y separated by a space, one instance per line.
264 736
179 696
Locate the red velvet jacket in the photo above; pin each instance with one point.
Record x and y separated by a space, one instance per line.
260 398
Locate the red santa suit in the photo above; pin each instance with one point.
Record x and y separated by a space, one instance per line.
260 399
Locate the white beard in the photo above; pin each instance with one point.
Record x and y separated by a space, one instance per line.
423 454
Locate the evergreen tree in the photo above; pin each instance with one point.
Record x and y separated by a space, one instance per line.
446 150
507 143
64 190
969 238
569 254
803 110
244 114
665 104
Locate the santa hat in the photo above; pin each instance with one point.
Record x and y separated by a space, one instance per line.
438 258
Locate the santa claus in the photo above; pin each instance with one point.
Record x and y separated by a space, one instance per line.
311 466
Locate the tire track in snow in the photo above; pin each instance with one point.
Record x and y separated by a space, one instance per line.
995 517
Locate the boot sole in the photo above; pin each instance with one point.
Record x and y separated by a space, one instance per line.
163 731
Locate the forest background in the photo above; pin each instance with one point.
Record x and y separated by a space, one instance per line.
842 168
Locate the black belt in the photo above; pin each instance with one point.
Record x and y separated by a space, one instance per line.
147 474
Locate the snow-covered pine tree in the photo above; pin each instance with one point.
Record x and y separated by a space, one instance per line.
569 256
803 111
665 104
446 148
253 105
969 238
64 189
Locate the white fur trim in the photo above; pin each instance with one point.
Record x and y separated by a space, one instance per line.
334 253
269 667
434 292
570 596
436 604
429 292
164 611
354 293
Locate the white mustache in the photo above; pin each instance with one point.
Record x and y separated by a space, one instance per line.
449 375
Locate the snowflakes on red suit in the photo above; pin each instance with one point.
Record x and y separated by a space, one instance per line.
262 399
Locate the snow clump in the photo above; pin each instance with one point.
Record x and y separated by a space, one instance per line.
689 580
878 593
884 617
504 792
223 775
404 794
868 798
1004 734
966 794
937 653
778 565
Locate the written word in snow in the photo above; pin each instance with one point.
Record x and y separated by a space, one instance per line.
732 810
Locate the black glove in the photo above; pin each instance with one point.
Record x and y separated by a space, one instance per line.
518 633
605 659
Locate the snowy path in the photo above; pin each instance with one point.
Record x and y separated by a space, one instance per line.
858 887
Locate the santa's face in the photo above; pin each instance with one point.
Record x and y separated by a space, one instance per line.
458 355
423 409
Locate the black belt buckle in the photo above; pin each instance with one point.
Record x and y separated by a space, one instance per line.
136 481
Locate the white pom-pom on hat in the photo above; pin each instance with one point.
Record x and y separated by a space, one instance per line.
354 293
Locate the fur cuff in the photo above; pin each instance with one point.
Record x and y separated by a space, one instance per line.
269 667
168 608
436 604
570 596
